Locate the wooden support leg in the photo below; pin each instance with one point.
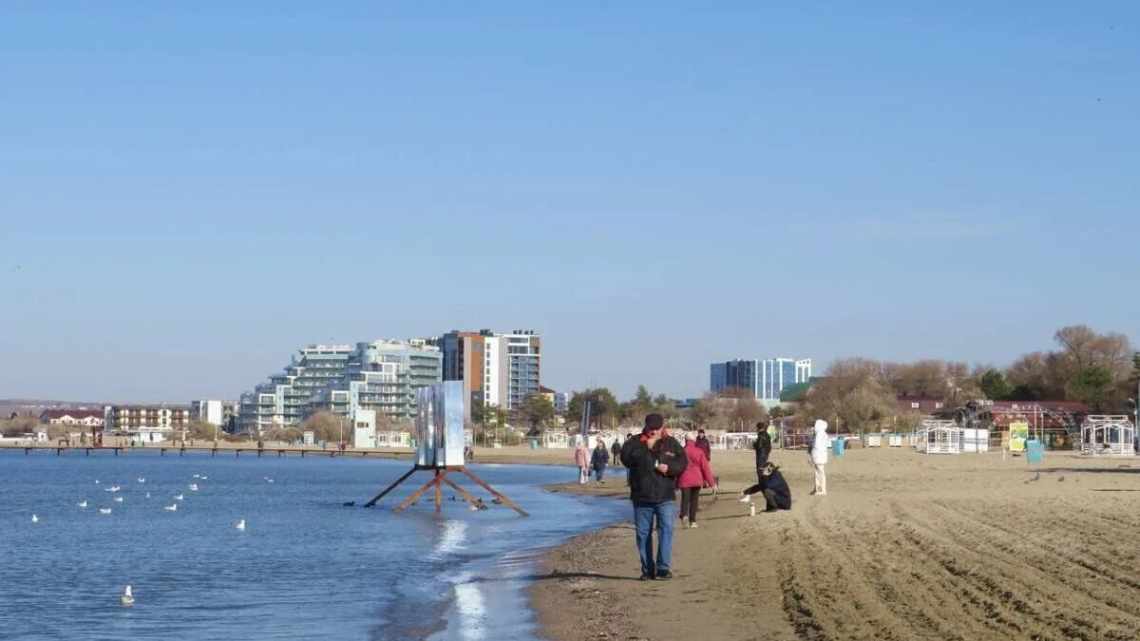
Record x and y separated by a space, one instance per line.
439 490
390 487
506 501
415 495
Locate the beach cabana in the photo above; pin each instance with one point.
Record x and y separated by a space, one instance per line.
1103 435
939 437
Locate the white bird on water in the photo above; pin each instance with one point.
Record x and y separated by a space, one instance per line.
241 525
104 510
83 503
171 508
178 497
127 599
205 478
118 499
96 481
142 480
148 495
197 476
193 487
35 519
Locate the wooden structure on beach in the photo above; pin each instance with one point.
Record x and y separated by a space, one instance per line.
440 449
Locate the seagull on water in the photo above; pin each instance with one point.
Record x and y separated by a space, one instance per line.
205 478
241 525
35 519
104 510
193 487
141 480
127 599
197 476
178 497
118 499
148 495
83 503
171 508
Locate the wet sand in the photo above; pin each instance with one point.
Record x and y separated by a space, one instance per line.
904 546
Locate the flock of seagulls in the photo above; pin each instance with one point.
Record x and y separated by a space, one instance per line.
127 598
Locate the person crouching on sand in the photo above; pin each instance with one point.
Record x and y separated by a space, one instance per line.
654 461
698 473
777 494
582 460
818 453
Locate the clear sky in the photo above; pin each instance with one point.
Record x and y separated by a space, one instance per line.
189 194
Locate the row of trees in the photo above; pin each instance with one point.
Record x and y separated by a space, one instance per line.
1100 370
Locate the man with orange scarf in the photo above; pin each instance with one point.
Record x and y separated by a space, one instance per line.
654 460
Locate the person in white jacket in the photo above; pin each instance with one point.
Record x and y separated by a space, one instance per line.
818 452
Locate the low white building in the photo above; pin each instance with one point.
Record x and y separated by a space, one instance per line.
364 428
79 417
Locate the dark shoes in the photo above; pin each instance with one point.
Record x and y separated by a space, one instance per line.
645 577
664 575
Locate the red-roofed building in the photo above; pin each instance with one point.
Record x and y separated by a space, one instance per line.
86 418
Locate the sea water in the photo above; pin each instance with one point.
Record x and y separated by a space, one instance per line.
305 567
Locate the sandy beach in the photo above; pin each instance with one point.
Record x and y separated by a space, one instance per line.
905 546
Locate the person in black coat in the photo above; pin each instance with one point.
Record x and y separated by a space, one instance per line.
599 459
654 461
763 447
615 450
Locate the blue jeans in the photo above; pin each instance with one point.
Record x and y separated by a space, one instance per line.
643 514
599 472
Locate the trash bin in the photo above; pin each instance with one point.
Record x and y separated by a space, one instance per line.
838 445
1034 451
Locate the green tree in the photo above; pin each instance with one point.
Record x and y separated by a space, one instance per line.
1091 386
603 406
994 385
536 410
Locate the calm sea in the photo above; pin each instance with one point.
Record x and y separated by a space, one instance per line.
305 567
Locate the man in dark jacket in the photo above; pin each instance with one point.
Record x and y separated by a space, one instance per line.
599 459
763 447
616 450
654 460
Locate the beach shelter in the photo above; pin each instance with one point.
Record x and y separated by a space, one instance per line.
1104 435
940 437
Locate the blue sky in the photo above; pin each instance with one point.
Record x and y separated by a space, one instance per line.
188 194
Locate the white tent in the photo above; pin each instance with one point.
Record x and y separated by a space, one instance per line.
1108 435
939 437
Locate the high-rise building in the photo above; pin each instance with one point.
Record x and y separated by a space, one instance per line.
764 378
382 375
208 411
498 370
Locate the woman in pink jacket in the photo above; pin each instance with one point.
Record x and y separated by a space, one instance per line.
698 473
582 460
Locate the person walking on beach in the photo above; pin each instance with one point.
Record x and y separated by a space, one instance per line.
599 459
582 460
704 444
655 461
763 447
697 474
818 453
616 450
